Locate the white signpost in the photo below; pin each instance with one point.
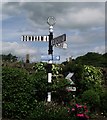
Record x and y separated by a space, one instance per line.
57 42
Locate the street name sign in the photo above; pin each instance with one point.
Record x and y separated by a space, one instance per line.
50 57
58 40
34 38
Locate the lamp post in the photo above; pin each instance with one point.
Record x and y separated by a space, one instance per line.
51 21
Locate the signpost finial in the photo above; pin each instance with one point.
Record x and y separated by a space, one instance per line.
51 20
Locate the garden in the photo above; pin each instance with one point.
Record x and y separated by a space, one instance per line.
24 94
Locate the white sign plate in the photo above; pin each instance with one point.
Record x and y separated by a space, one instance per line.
71 89
50 57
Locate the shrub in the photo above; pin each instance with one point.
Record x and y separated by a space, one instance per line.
20 92
104 102
92 98
23 92
49 111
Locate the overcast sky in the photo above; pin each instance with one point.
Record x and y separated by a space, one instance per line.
82 22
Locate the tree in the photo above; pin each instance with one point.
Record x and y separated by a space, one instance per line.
92 58
9 58
91 78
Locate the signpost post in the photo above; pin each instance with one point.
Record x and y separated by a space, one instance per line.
57 42
51 21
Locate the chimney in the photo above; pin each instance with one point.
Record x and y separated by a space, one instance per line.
70 59
27 58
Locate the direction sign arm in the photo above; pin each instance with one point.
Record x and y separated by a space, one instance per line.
59 41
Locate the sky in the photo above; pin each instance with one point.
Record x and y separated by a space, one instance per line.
82 22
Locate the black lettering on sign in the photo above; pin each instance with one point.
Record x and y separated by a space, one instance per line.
29 38
46 38
35 38
41 38
24 38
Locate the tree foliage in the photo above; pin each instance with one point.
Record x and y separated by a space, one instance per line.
91 78
92 58
9 58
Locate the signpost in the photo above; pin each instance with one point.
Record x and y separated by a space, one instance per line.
57 42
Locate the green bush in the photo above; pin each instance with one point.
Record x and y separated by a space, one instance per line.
104 102
40 85
49 111
92 98
91 78
23 92
17 93
40 67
